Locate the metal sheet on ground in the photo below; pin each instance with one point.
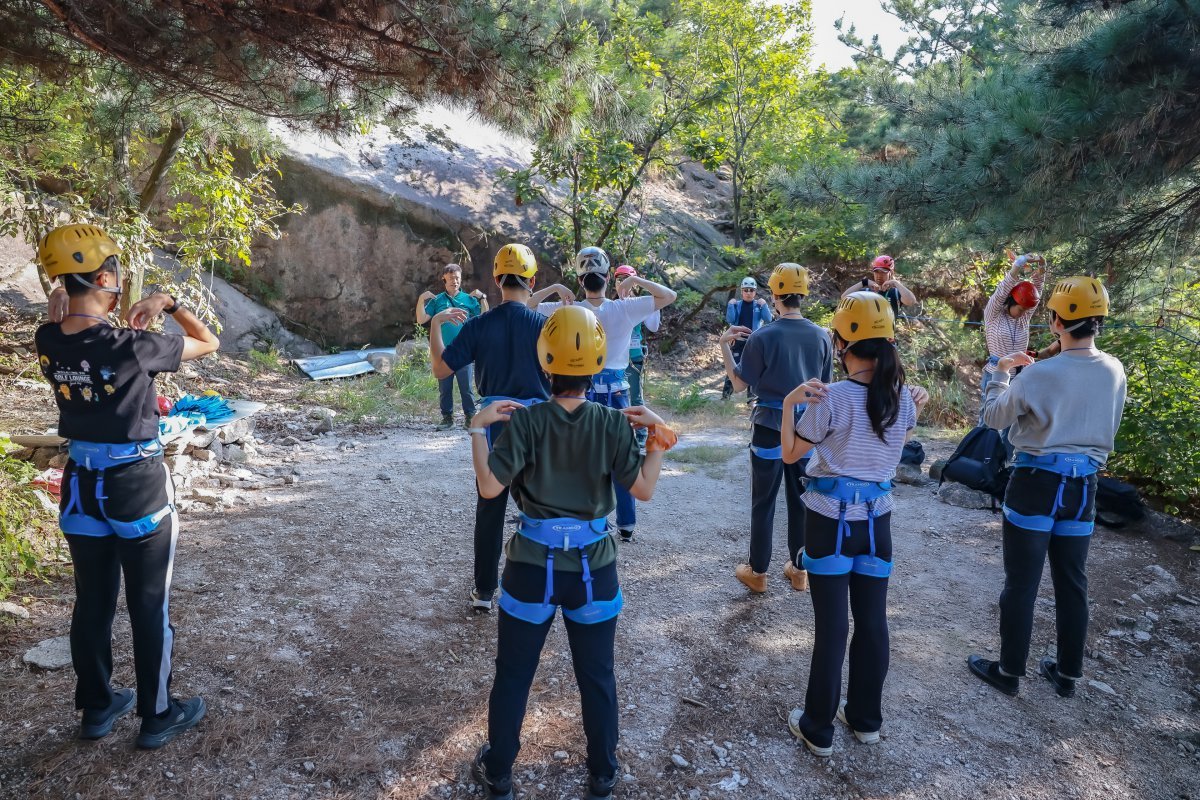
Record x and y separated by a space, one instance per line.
340 365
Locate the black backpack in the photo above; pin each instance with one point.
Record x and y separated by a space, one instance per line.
980 462
1117 503
913 453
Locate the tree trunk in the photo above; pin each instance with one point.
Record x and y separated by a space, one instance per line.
170 149
126 202
735 181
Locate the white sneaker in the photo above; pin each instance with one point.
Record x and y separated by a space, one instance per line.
480 603
866 738
794 727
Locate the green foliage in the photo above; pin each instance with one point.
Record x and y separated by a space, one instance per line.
27 536
934 355
409 390
269 360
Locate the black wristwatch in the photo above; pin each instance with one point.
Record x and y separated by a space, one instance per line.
174 305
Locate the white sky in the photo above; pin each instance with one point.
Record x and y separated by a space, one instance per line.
869 19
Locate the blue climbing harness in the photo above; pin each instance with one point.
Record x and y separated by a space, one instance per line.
848 492
563 533
98 457
484 402
607 381
774 453
1066 465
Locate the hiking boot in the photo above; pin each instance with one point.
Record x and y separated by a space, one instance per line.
446 424
96 724
755 581
989 673
726 393
626 534
601 788
1063 687
868 737
797 576
482 601
496 789
157 731
794 727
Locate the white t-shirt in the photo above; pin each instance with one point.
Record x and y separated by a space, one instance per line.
618 318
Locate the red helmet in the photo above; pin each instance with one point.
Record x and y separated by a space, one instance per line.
624 271
883 262
1025 294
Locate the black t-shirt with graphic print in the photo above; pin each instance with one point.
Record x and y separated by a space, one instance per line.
103 379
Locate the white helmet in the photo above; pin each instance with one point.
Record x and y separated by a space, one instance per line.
749 283
591 260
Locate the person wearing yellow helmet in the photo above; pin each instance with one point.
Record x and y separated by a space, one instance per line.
777 357
502 344
619 317
1063 415
560 459
117 507
854 430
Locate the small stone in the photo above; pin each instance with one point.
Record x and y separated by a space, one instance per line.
720 752
324 421
289 441
1141 636
561 755
383 476
679 761
1150 615
1103 687
59 461
310 766
14 610
1116 634
1137 597
50 654
204 456
956 494
209 497
235 454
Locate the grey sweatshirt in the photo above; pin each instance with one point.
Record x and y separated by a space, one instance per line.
1071 403
779 357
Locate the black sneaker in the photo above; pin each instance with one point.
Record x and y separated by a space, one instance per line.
626 534
1063 687
98 724
601 788
181 715
496 789
989 673
446 424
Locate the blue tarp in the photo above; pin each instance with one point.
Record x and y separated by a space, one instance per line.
340 365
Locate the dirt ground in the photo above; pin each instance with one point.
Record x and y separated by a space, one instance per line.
326 624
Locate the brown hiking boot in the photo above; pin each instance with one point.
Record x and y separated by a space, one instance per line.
755 581
798 577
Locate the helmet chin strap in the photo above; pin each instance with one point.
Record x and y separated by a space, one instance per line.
110 289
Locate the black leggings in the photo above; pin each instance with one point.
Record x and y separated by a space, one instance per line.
869 648
518 650
765 476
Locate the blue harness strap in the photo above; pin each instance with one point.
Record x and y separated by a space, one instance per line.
773 453
1066 465
563 533
848 492
97 457
607 381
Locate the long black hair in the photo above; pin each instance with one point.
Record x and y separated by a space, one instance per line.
883 392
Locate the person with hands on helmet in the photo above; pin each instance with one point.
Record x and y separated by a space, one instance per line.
776 358
636 371
1008 312
854 430
474 304
883 281
610 386
117 509
502 344
560 459
749 311
1062 415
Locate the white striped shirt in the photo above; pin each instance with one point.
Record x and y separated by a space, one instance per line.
845 444
1004 333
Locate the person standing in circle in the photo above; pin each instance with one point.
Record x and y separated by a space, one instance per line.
1007 315
636 372
473 304
1063 415
855 431
117 509
883 281
750 312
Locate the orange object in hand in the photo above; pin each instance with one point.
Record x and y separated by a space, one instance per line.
660 438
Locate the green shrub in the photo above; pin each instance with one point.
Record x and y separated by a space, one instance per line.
27 537
410 389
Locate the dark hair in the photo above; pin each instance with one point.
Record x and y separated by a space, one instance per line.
790 300
513 282
1092 326
883 392
452 268
570 384
593 281
75 288
1009 302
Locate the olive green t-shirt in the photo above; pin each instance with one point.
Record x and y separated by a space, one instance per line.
562 464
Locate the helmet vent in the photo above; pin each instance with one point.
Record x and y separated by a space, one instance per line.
78 256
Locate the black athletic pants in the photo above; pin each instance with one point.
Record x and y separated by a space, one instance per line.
765 477
519 648
868 649
489 530
736 348
1032 492
147 565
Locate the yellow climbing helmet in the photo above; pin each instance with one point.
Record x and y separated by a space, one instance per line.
572 342
514 259
864 315
75 250
789 278
1077 297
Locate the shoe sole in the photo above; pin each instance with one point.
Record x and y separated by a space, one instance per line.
481 779
153 741
93 732
752 588
794 727
1045 673
864 738
983 676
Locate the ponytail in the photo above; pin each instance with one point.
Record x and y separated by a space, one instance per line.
883 393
